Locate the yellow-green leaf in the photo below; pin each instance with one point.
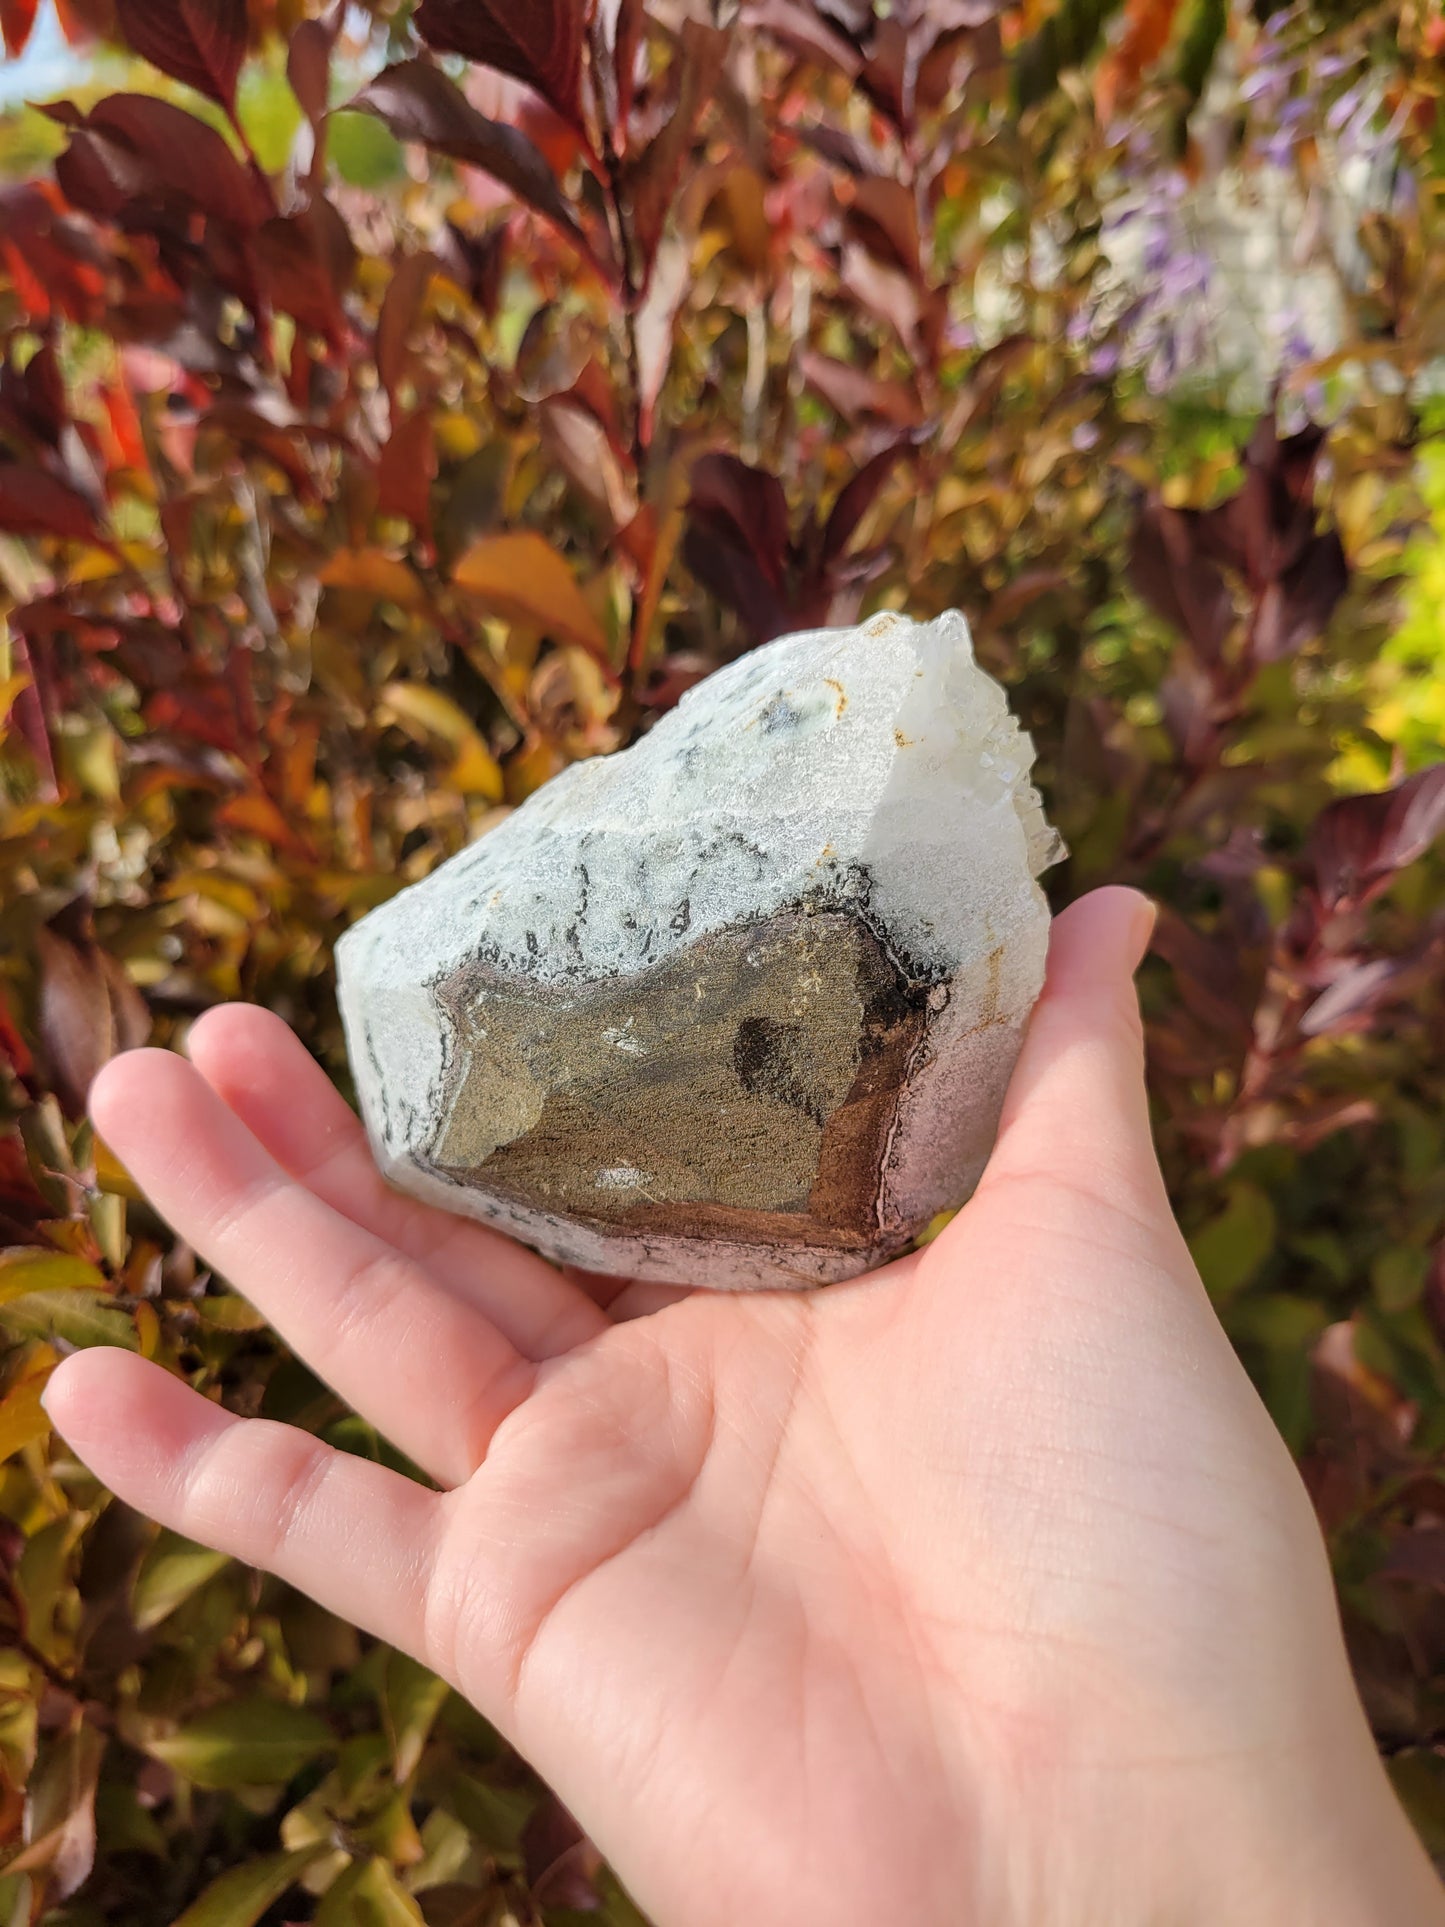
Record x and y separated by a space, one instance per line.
521 576
228 1312
78 1318
369 1895
248 1742
22 1419
171 1571
430 710
411 1699
427 711
240 1897
24 1269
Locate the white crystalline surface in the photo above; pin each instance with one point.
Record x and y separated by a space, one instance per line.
878 764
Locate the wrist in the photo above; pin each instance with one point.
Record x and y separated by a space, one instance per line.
1316 1840
1308 1834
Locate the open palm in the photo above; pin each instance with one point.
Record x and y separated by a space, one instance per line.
943 1596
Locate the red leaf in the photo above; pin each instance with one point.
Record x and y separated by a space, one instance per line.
418 103
200 42
730 574
561 1862
17 17
1298 607
1171 573
406 470
35 503
652 181
798 28
308 67
617 30
855 500
32 399
737 542
884 216
400 306
1360 842
538 42
475 262
1356 993
746 506
147 146
88 1009
31 722
85 21
13 1047
306 262
53 260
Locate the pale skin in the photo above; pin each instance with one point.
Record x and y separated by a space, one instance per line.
980 1591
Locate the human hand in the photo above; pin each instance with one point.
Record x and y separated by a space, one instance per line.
979 1590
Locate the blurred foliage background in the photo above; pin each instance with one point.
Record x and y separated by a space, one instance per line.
397 404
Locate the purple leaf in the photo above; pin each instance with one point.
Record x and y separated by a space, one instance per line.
1359 843
418 103
200 42
538 42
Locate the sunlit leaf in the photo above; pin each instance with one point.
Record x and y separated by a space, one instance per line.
245 1742
75 1317
521 576
22 1418
170 1573
24 1269
375 571
369 1894
411 1699
1232 1247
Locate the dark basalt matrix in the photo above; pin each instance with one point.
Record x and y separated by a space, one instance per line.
737 1006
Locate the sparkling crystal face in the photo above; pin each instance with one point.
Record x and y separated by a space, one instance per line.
742 1088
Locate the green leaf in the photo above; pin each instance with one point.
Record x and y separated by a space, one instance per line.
171 1571
77 1318
368 1895
410 1701
363 151
494 1814
248 1742
1231 1247
1398 1277
240 1897
270 114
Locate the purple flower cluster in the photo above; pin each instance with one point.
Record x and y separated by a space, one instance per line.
1170 292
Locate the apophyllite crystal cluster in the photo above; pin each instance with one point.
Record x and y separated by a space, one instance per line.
737 1006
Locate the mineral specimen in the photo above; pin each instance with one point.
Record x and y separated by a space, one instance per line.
737 1006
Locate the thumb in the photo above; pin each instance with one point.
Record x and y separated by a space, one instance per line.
1076 1111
